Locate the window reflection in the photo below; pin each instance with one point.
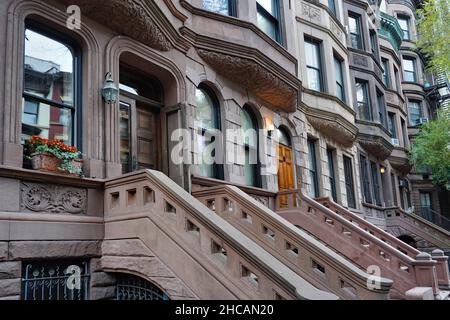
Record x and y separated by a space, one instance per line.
48 91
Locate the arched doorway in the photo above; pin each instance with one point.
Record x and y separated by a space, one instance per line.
131 287
408 240
285 165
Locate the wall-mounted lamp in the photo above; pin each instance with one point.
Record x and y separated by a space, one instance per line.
109 89
382 170
269 125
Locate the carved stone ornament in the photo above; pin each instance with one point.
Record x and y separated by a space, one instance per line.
360 60
254 77
336 30
311 12
39 197
128 17
376 146
333 130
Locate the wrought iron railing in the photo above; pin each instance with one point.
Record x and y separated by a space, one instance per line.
434 217
131 287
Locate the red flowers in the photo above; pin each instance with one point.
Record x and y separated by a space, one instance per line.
54 144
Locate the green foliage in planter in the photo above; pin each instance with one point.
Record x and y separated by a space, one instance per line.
67 154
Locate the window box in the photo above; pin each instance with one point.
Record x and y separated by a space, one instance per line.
49 163
53 156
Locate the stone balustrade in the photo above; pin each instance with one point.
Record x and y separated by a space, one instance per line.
213 258
418 225
360 241
297 249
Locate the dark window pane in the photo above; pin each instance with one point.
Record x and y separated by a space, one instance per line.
349 185
365 179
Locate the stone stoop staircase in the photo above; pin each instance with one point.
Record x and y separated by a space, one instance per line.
427 234
352 244
197 248
310 258
367 245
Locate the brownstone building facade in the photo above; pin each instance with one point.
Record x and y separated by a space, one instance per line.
334 90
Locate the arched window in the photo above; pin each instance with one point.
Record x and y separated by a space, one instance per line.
283 137
208 120
249 126
50 89
131 287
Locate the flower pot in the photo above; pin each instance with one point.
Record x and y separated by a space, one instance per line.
49 163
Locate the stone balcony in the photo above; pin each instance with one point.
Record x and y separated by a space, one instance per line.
375 139
245 55
330 116
399 159
390 30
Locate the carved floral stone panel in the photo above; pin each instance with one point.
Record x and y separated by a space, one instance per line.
40 197
128 17
360 60
311 12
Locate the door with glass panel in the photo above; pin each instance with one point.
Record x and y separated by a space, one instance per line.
138 135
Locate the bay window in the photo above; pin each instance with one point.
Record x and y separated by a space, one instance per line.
226 7
313 65
354 23
268 17
409 69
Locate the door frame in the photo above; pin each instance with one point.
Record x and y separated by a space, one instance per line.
153 106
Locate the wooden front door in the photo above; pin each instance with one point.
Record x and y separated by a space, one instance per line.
285 172
138 135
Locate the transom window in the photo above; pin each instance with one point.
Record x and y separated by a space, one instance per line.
49 104
403 21
354 24
226 7
268 17
409 69
313 64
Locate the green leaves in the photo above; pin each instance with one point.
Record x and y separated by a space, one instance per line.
434 33
430 150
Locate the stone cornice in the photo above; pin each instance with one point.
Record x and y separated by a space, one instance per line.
254 76
376 145
400 163
138 19
173 9
332 125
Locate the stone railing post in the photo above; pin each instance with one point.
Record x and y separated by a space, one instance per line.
442 271
426 276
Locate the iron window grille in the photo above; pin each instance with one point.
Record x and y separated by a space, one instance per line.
55 280
131 287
